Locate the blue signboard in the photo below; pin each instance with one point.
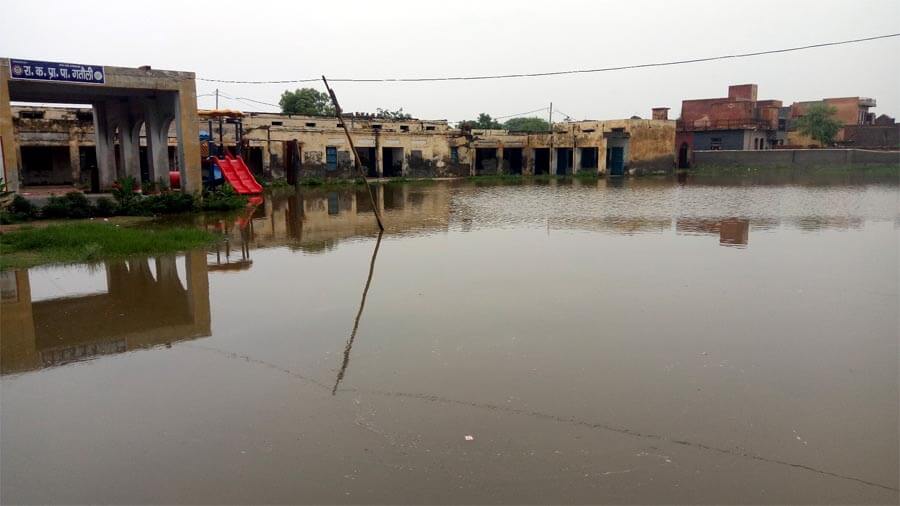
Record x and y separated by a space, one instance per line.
54 71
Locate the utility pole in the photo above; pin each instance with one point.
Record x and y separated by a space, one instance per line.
217 98
359 170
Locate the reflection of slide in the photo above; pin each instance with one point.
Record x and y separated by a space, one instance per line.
238 174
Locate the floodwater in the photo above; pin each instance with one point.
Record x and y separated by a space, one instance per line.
635 341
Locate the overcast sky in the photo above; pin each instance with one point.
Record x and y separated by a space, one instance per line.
259 40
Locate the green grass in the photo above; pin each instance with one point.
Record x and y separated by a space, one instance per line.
93 242
328 183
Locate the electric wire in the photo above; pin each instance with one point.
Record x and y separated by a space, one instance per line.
562 72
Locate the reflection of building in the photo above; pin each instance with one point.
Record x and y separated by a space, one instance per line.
315 220
731 231
734 232
139 309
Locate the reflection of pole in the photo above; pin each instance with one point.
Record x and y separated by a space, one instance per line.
362 305
337 112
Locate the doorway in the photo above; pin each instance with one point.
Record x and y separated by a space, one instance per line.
541 161
512 160
392 159
615 160
485 161
684 153
564 161
367 160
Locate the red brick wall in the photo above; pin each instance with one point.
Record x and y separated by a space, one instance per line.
742 92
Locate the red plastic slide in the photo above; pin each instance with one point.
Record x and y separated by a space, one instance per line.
238 174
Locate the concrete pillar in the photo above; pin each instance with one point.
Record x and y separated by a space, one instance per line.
379 155
156 126
552 161
188 137
527 161
576 159
105 138
130 145
501 167
74 157
404 169
9 158
601 157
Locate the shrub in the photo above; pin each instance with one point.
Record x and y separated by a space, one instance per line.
70 205
21 209
166 203
105 206
125 192
223 198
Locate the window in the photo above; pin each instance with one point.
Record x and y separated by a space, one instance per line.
331 158
84 116
277 123
376 127
31 114
454 155
404 128
715 143
311 125
429 128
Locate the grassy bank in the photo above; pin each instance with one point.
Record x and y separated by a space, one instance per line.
90 242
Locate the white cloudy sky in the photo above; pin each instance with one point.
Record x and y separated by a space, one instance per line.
261 40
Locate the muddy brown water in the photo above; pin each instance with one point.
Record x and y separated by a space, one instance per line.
636 341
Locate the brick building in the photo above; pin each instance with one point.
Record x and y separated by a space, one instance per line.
737 122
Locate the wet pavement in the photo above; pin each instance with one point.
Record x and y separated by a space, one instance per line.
636 341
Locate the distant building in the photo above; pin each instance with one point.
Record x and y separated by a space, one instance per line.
736 122
850 111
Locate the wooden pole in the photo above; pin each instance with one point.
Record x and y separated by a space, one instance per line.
337 112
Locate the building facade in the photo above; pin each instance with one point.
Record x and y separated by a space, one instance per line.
737 122
56 146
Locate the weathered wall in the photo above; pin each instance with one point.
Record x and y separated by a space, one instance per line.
873 136
796 158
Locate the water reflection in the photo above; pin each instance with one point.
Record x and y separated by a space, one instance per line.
316 220
145 304
362 306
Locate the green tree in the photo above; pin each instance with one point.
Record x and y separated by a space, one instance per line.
532 124
819 123
484 122
398 114
306 101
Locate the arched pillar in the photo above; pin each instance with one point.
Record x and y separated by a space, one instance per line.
157 123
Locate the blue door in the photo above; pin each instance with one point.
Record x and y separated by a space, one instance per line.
617 162
331 158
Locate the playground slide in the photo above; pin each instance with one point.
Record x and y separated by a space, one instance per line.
238 174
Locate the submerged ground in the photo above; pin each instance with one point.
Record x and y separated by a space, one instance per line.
714 340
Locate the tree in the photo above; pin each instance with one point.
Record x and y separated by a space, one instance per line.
532 124
484 122
388 114
819 123
306 101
